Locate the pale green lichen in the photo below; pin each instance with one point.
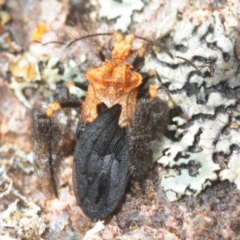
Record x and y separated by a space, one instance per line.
179 181
232 173
203 136
121 11
49 74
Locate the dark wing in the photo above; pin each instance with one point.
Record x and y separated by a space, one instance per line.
46 135
101 161
148 124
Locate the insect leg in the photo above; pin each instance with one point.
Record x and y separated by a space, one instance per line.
46 133
147 125
155 74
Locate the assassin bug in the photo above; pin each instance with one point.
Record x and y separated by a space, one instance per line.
116 124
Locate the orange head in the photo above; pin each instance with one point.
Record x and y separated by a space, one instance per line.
122 47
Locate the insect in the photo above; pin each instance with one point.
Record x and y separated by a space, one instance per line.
118 120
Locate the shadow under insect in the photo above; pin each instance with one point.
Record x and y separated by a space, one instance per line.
117 123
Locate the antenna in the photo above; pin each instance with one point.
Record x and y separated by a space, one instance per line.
165 49
88 36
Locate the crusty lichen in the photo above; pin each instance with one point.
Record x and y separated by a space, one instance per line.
120 11
21 215
202 97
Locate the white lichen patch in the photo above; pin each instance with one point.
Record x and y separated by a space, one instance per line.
21 215
18 88
192 169
122 11
210 55
99 226
50 73
191 105
228 145
232 173
205 96
228 138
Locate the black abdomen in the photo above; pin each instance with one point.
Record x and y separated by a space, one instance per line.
101 161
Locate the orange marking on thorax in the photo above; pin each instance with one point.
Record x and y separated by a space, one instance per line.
114 82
